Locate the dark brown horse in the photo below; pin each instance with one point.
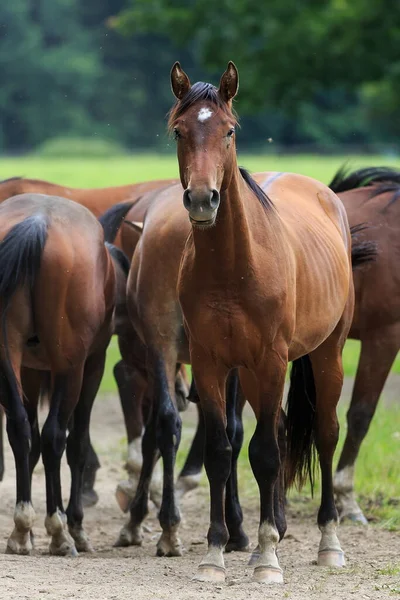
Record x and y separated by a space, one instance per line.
376 321
98 201
58 292
264 280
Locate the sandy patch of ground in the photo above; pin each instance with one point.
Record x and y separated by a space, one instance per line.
116 574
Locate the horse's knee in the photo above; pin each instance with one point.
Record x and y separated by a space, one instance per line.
264 457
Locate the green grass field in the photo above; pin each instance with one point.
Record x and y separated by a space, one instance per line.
378 474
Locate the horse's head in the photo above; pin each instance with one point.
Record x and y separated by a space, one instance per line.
203 124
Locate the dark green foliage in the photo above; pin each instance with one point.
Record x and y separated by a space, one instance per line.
316 72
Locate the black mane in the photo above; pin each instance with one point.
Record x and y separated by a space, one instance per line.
387 178
11 179
264 200
198 92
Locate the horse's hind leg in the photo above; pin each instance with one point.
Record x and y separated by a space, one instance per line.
78 445
31 382
1 446
64 397
378 352
327 371
19 435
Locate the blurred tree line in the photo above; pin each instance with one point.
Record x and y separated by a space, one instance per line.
322 72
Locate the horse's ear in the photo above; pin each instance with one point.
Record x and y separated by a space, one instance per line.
180 82
229 84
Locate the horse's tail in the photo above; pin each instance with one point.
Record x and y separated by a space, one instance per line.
113 218
363 251
300 424
20 258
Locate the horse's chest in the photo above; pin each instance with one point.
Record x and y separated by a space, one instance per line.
227 324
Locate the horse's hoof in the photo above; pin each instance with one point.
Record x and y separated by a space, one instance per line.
129 537
168 548
331 558
356 518
255 555
13 547
267 575
210 573
64 549
82 541
89 498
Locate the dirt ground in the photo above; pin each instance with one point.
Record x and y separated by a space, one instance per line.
135 573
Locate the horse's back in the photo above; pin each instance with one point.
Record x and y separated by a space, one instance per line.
316 241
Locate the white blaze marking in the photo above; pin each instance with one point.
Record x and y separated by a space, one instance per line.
204 114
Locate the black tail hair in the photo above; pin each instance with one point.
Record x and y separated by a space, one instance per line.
20 258
361 251
300 424
119 257
113 218
345 180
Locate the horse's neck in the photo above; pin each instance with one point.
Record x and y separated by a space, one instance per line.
226 247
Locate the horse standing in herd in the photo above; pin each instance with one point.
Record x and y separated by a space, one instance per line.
58 291
264 280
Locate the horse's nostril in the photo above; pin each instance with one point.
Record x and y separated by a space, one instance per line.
187 201
214 201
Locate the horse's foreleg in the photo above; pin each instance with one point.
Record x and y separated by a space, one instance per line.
238 540
378 352
264 392
64 397
211 381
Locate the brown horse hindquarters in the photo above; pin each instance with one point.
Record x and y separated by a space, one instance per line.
58 291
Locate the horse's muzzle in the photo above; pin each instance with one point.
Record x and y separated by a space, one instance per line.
201 205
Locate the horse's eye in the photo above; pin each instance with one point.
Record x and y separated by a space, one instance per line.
177 134
230 132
